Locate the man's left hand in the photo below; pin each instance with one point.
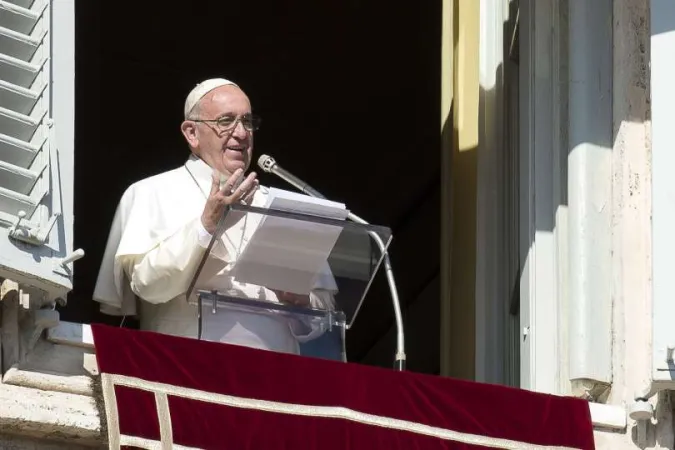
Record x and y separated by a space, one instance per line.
292 299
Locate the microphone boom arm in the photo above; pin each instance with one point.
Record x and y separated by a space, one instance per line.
300 185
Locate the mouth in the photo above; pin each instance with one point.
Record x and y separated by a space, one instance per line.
235 152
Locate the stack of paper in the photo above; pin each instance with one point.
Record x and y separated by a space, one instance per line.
290 254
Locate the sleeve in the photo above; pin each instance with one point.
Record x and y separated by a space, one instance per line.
165 271
203 236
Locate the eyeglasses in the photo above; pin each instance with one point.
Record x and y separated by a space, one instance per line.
226 123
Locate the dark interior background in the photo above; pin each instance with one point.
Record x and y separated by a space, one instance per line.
349 94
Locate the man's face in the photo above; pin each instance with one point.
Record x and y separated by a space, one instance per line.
223 150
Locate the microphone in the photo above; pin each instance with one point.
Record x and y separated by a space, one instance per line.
269 165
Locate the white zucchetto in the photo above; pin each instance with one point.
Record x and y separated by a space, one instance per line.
201 90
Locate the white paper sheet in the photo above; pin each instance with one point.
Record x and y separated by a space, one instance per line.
287 254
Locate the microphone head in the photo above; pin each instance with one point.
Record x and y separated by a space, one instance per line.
266 163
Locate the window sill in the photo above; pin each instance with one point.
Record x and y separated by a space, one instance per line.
608 417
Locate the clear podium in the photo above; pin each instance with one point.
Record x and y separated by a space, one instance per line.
307 272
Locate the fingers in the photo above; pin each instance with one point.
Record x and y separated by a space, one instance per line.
245 188
248 197
293 299
231 183
284 296
215 184
234 191
247 185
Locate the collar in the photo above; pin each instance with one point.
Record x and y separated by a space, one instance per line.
202 173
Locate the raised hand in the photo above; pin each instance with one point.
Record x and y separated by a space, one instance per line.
231 192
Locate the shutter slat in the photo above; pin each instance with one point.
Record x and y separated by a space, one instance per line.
17 152
8 220
28 4
15 71
17 178
17 18
17 98
18 45
13 202
18 125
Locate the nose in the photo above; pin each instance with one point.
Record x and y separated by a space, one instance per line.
239 131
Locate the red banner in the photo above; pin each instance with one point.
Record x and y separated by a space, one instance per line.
167 392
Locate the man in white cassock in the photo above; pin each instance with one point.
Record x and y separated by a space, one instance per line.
164 223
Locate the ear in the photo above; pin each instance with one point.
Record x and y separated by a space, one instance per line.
189 130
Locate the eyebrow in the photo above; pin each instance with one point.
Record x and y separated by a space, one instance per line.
232 115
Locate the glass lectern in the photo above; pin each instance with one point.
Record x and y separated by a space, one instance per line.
310 271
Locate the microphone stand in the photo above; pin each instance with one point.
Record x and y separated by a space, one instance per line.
399 359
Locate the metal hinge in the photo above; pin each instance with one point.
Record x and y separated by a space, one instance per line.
34 236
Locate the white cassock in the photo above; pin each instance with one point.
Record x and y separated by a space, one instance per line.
154 248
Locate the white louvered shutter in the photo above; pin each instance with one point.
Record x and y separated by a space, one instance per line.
37 142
